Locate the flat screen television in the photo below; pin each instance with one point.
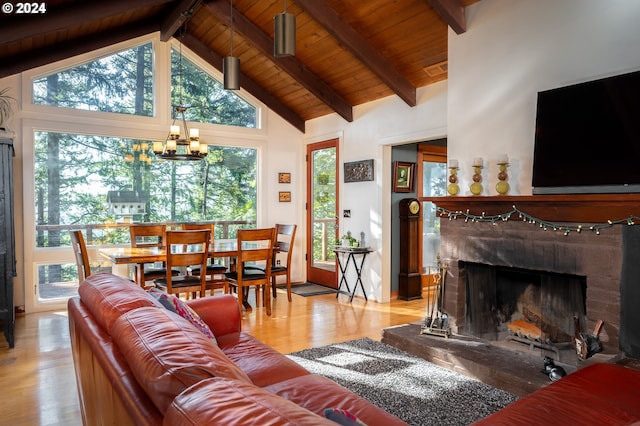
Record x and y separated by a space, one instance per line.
587 137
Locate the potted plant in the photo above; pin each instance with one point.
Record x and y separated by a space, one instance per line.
6 107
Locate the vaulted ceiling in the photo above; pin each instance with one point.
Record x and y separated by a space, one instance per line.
348 51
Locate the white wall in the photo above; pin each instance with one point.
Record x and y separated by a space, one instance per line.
376 127
513 49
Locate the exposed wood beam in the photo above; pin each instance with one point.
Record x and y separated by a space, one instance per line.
451 12
64 50
360 48
247 84
176 17
60 18
290 65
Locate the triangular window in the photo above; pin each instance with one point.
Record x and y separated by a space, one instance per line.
205 98
121 83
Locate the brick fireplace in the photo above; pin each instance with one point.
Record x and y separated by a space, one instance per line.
605 262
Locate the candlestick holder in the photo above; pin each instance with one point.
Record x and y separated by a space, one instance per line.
453 188
476 186
503 186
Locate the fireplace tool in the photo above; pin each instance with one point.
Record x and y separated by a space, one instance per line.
436 322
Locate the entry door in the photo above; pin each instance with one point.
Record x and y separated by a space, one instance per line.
322 212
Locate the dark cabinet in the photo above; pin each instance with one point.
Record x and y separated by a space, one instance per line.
7 239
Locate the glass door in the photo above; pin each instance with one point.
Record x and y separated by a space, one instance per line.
433 170
322 212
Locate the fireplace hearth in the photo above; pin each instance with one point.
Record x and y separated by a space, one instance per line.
603 265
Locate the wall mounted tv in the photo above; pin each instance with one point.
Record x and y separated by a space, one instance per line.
588 137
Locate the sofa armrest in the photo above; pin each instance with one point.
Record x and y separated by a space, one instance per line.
221 313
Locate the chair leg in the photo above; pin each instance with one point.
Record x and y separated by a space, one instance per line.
267 299
274 294
289 288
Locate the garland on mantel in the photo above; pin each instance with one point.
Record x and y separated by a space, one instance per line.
525 217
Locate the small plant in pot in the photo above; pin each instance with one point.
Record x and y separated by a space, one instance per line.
6 107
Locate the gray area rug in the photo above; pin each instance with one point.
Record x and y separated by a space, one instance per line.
415 390
311 289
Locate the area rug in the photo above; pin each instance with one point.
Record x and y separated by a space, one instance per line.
415 390
311 289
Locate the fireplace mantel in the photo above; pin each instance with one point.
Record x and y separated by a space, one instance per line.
574 208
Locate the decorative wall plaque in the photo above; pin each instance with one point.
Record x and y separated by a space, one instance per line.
358 171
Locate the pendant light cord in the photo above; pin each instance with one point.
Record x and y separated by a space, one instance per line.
231 26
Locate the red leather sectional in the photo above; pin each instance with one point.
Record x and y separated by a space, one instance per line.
137 363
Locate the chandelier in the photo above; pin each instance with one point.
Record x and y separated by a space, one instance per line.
183 145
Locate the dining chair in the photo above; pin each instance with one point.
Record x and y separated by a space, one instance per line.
254 246
82 256
282 250
148 235
215 271
185 249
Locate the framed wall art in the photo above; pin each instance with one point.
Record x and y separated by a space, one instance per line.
284 196
358 171
284 177
403 176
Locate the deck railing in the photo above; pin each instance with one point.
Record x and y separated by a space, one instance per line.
103 233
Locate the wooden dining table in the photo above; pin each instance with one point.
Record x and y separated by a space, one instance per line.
143 255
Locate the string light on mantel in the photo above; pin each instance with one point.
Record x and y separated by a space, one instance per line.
525 217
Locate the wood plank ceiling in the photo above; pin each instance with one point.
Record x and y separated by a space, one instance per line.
349 52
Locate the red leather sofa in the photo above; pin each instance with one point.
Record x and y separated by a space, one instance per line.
137 363
600 394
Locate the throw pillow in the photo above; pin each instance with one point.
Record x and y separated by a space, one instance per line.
342 417
175 305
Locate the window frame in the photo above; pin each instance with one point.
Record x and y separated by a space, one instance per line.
67 120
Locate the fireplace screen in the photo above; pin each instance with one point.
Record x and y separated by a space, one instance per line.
532 305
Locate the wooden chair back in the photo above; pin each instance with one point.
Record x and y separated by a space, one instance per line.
192 226
254 246
147 234
81 254
283 248
186 249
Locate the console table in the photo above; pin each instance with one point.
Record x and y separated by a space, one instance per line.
350 253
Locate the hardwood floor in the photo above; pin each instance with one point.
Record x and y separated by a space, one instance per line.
38 380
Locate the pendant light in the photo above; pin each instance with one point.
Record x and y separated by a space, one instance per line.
182 144
231 64
284 30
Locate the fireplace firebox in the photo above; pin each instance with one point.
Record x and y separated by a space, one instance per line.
533 307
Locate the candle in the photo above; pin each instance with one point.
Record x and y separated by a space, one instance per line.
171 145
503 159
204 148
477 162
157 147
194 134
194 146
453 164
174 130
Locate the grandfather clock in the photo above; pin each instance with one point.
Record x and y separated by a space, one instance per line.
410 283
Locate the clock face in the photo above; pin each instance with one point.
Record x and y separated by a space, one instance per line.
414 207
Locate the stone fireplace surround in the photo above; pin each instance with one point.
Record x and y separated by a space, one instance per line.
608 260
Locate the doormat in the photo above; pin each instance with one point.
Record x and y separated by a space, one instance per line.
311 289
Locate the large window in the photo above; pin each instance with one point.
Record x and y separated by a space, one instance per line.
206 99
121 83
92 178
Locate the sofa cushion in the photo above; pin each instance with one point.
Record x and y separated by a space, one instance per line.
221 401
108 296
167 354
316 393
263 364
177 306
